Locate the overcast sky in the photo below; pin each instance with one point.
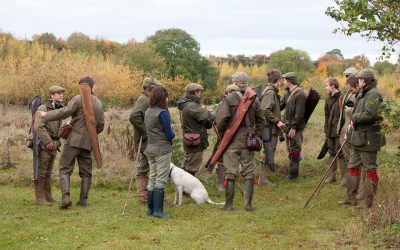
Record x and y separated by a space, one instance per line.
220 26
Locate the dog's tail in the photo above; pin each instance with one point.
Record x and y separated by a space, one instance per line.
209 201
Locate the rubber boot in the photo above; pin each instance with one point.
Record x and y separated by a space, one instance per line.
369 190
332 173
262 176
360 193
296 167
65 185
158 203
293 170
352 183
248 193
150 202
85 186
229 194
40 200
141 186
343 172
47 190
220 178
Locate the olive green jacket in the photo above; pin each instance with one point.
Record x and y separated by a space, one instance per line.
366 135
270 105
158 144
79 136
195 120
137 119
332 115
255 115
47 131
294 109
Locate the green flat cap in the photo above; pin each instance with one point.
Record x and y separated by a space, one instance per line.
350 71
148 81
193 87
366 73
289 75
56 89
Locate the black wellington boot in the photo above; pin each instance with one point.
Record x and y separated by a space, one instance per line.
248 193
158 201
150 202
229 193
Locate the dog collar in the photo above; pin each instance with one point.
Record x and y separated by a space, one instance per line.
170 172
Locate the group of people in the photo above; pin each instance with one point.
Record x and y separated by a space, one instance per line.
242 120
262 119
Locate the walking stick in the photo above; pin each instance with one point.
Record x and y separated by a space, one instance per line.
321 183
133 175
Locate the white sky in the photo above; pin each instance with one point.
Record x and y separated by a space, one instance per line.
220 26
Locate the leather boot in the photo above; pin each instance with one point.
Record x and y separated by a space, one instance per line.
343 172
352 182
158 203
220 178
229 194
85 186
40 200
150 202
141 186
369 190
332 173
65 185
47 190
262 176
248 193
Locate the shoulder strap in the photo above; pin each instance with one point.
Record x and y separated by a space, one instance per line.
295 90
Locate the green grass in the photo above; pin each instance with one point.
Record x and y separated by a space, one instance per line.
278 222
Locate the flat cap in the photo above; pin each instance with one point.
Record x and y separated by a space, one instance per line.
366 73
56 89
193 87
231 87
289 75
149 81
350 71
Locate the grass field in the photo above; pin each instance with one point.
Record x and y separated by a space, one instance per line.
278 222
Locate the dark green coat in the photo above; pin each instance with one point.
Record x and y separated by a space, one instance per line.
270 106
47 131
294 109
137 119
195 120
367 132
332 115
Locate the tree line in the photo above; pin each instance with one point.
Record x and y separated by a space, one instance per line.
171 55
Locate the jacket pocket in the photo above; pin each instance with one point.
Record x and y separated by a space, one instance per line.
358 138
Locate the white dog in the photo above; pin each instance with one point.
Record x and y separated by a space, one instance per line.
185 182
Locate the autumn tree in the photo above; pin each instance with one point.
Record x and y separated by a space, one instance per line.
80 42
289 59
384 67
49 39
373 19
